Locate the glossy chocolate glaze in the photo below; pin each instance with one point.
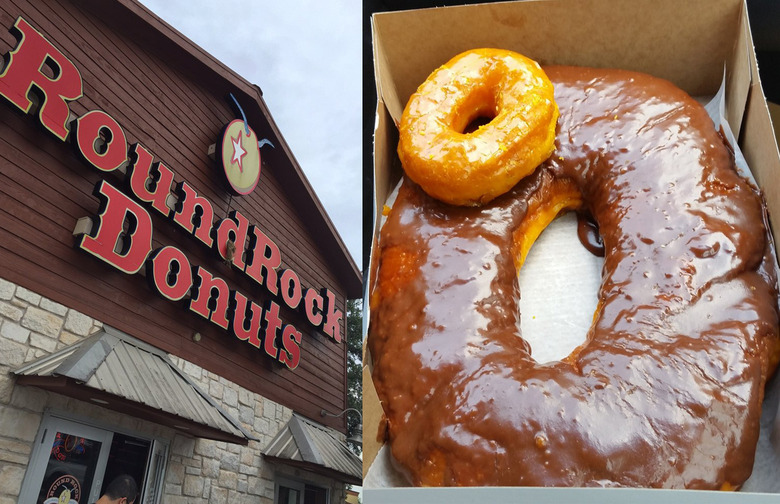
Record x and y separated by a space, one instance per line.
667 390
588 233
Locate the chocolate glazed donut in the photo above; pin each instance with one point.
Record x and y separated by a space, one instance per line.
667 389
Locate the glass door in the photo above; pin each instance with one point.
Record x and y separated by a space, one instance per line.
72 463
155 473
69 464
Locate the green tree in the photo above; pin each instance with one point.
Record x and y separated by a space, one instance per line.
354 365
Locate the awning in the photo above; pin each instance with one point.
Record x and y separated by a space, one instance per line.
119 372
309 445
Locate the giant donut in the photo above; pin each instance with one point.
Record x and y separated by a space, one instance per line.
667 389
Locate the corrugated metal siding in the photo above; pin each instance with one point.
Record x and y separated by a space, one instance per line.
333 448
141 376
116 363
324 445
284 446
47 365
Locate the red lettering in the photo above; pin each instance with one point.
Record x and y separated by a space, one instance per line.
211 298
194 213
100 140
291 341
150 182
263 258
272 325
290 286
233 228
333 316
126 250
311 301
168 272
239 316
24 73
36 75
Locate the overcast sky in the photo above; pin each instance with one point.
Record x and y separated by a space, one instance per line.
305 56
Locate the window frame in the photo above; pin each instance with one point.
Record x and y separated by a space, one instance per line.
299 484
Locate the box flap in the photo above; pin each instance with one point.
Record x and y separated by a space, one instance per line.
409 45
739 76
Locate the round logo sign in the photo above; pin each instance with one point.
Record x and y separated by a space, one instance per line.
65 490
240 156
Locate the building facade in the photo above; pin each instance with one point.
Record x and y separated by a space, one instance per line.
172 293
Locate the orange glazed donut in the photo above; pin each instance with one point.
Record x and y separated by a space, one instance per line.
471 168
667 389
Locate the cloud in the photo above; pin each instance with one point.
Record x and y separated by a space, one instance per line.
306 57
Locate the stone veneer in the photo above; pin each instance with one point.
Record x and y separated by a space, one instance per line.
198 470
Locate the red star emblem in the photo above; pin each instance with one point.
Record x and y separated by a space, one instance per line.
238 151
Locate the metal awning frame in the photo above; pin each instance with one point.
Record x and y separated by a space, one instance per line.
295 445
68 370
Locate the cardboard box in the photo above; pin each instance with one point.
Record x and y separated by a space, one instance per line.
688 43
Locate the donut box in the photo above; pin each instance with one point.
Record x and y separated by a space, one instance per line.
688 43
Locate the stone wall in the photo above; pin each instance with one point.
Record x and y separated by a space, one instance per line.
199 471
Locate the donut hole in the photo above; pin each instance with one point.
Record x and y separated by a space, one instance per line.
477 123
559 283
478 109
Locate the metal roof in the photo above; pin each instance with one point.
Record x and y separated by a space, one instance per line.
312 444
112 364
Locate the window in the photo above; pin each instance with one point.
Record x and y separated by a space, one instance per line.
289 495
290 491
74 461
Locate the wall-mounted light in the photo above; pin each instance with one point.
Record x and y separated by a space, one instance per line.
357 435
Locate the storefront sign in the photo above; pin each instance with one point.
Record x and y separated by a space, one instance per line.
121 233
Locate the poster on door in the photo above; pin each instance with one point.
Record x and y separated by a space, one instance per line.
70 469
64 490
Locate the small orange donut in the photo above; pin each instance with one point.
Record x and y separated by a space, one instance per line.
472 168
